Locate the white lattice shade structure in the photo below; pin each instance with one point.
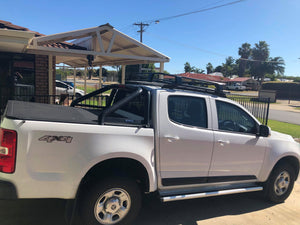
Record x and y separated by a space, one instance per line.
108 46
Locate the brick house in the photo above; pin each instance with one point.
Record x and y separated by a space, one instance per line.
22 73
248 82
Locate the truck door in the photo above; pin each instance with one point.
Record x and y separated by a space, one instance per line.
238 151
185 138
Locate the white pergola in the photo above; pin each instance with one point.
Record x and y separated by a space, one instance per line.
14 40
104 43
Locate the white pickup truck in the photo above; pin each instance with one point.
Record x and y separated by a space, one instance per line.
177 140
236 87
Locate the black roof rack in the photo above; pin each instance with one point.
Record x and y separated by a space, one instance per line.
171 81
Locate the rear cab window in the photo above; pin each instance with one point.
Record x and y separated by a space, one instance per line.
133 112
189 111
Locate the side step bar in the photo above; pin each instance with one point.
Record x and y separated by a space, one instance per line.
210 194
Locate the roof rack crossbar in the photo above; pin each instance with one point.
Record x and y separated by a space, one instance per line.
172 81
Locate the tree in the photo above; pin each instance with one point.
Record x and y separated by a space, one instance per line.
260 54
229 68
187 67
90 73
219 69
209 68
148 68
79 73
261 51
197 70
245 52
104 72
277 65
132 71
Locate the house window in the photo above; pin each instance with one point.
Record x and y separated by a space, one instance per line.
17 75
24 75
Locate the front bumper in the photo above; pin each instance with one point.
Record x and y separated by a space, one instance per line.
8 190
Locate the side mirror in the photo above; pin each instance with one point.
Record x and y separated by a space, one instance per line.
264 131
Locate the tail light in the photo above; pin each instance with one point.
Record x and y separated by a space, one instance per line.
8 148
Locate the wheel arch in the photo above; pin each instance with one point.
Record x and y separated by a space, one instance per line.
119 166
291 160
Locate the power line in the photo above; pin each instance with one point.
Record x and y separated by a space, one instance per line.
144 25
188 46
255 60
208 51
193 12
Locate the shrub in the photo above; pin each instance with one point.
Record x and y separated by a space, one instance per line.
289 90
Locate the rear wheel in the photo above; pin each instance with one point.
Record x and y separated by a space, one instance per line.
280 183
114 201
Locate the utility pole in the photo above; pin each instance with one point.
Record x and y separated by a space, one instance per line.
141 25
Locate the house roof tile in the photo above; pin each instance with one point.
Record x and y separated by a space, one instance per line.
202 76
9 26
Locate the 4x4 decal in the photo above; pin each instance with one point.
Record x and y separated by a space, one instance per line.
50 138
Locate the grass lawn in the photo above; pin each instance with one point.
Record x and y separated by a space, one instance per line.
286 128
89 89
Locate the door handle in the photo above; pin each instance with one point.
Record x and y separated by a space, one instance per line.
172 138
221 142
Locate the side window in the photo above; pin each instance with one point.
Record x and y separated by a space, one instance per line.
233 118
187 110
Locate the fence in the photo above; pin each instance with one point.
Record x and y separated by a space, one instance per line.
259 107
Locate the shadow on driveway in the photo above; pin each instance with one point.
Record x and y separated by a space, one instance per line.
190 212
51 211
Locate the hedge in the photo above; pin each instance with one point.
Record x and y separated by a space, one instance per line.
283 89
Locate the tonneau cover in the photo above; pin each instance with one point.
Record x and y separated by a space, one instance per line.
47 112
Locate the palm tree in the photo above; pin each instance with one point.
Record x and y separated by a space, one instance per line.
245 52
187 67
209 68
279 65
260 54
261 51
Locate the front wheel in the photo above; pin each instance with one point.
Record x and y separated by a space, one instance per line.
113 201
280 183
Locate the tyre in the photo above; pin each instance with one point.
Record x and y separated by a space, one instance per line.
113 201
280 183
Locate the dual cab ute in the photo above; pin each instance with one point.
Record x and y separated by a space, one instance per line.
167 135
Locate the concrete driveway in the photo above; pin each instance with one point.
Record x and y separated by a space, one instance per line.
247 209
226 210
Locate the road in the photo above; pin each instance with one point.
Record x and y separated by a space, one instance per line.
246 209
285 116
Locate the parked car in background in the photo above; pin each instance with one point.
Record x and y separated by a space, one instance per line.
237 87
68 82
64 88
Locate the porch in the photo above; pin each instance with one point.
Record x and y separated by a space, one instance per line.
28 59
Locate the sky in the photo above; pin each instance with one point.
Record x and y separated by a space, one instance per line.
199 38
